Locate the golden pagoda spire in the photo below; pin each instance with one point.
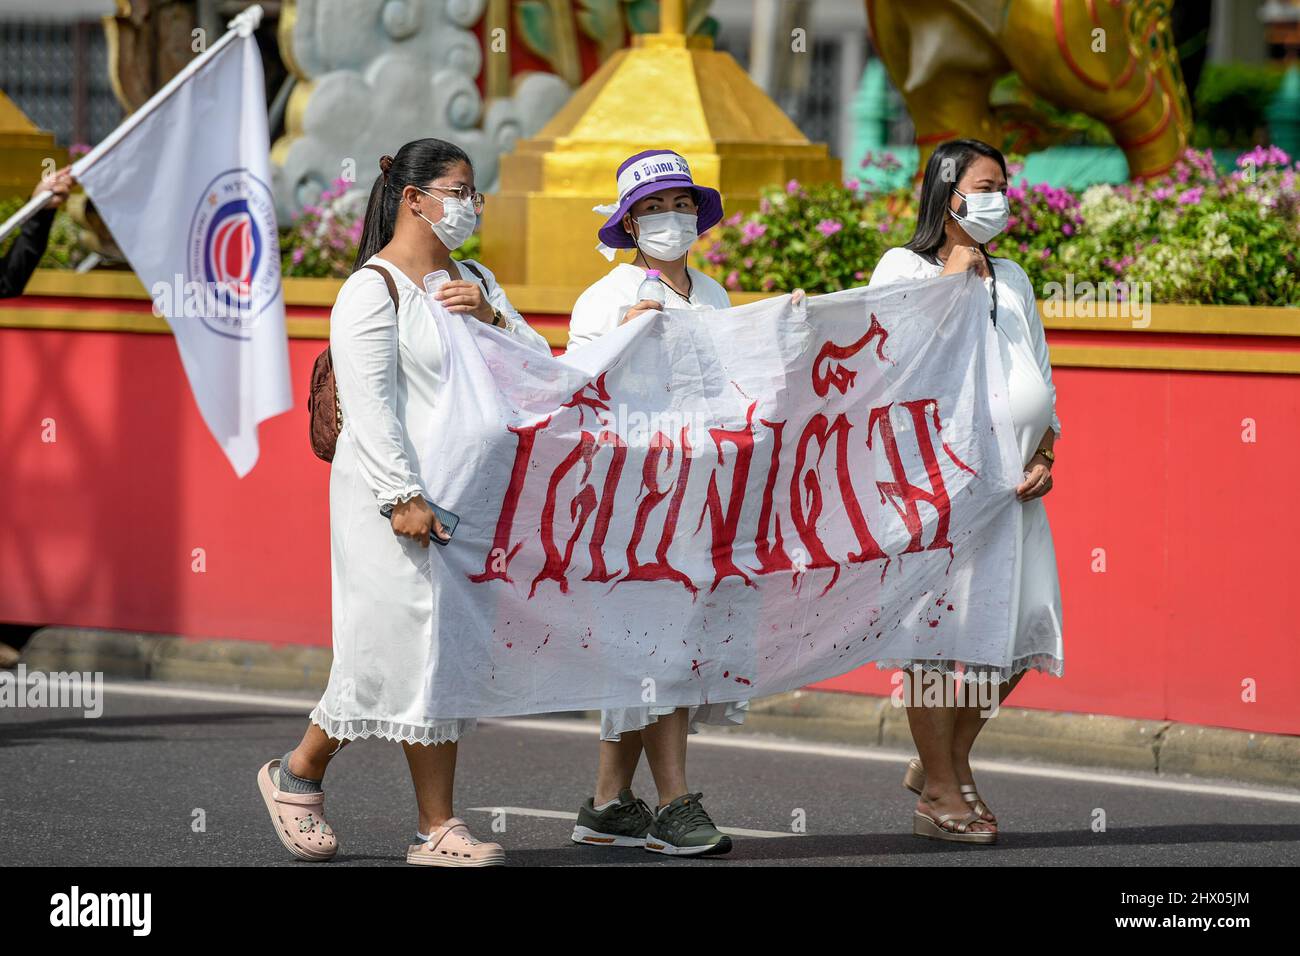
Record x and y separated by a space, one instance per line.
668 90
672 16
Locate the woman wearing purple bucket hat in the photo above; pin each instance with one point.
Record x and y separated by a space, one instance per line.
660 212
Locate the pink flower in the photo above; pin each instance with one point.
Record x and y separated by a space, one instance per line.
733 280
792 186
828 227
1067 229
751 232
298 255
733 220
1191 196
1262 156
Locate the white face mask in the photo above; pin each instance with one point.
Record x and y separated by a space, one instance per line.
667 235
457 222
986 214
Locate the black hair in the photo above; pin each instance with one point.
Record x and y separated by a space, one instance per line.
418 162
948 163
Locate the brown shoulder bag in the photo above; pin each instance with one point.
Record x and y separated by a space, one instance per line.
323 402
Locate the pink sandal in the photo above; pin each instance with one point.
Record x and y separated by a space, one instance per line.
452 845
299 818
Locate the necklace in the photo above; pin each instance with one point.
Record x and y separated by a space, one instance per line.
690 285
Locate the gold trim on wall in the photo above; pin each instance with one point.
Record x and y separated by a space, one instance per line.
1175 359
557 300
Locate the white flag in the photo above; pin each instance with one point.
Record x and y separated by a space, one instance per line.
186 195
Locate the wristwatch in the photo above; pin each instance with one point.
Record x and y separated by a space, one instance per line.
1048 454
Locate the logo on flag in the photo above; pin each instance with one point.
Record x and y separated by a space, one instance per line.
234 252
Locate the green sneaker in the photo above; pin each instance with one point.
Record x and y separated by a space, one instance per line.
623 824
683 828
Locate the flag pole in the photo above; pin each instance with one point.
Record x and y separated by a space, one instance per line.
242 25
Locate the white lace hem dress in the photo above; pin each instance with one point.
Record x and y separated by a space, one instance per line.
1022 342
386 648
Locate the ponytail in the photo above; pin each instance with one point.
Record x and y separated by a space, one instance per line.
417 163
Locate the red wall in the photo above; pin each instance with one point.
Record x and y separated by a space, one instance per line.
1198 527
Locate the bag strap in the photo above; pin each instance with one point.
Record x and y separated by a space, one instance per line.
388 281
474 269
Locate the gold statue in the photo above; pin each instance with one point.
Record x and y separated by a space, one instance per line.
1113 60
149 42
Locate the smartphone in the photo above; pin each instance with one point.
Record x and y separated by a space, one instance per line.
449 521
435 281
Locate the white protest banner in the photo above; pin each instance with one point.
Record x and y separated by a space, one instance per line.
708 507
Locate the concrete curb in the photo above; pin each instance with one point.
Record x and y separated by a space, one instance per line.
1165 748
250 665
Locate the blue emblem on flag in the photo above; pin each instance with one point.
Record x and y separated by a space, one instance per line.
234 254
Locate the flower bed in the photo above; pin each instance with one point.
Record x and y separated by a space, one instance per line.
1198 235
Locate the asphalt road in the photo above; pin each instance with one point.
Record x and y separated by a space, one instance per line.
127 788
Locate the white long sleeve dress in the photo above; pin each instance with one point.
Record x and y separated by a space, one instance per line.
389 379
1023 348
600 309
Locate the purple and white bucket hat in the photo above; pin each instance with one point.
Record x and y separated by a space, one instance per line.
639 176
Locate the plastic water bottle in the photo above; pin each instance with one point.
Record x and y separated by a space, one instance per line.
652 288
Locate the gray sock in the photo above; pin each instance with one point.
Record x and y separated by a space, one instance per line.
289 783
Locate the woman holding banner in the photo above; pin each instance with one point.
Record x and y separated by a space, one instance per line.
389 369
660 212
963 206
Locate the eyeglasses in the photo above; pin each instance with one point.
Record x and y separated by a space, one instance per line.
464 194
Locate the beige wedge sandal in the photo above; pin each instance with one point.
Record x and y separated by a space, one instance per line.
914 780
949 826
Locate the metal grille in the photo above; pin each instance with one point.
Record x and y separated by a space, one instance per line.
57 73
817 108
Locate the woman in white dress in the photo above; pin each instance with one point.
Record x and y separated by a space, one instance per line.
389 373
660 212
963 206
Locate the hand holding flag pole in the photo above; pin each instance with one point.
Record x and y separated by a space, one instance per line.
242 25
